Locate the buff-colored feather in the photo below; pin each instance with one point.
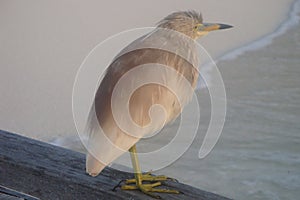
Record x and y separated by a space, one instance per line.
110 141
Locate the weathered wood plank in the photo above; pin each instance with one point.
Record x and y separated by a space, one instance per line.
9 194
8 197
50 172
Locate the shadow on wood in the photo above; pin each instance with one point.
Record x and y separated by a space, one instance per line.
50 172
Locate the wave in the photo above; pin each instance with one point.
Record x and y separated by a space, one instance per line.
292 20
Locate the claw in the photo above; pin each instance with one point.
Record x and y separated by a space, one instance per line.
152 181
149 188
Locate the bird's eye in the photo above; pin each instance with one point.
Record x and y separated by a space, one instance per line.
197 26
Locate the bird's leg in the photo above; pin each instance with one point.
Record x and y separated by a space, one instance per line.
153 181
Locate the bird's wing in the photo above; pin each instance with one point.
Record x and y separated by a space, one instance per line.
110 141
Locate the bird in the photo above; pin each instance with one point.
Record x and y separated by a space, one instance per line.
175 51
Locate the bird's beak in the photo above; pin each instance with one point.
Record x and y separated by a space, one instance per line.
213 27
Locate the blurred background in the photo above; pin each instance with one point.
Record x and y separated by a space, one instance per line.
43 43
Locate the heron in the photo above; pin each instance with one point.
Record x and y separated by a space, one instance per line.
106 140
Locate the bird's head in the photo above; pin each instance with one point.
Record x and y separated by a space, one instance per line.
190 23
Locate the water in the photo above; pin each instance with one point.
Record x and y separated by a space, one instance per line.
257 156
293 20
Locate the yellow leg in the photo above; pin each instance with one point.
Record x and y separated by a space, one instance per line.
139 178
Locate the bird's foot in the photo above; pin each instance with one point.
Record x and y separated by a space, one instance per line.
148 187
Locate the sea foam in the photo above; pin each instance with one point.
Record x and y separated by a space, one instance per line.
293 19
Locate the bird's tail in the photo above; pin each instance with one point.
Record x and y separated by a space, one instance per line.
93 166
103 148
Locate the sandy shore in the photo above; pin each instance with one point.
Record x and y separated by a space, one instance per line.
44 43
